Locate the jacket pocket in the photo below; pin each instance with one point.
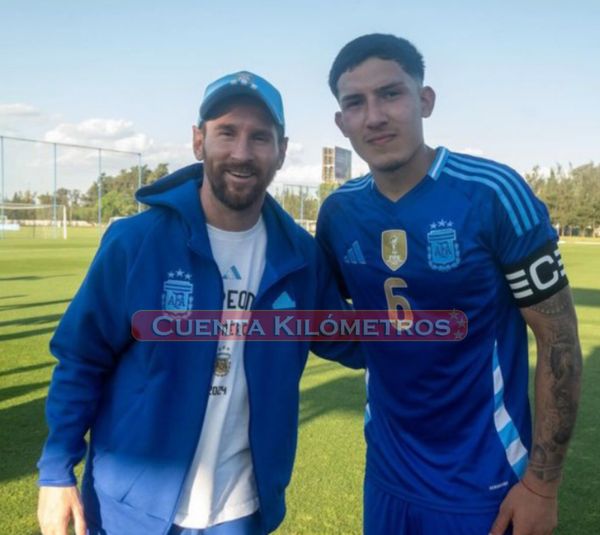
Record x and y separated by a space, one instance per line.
115 474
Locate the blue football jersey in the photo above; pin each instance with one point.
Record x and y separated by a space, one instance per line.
448 423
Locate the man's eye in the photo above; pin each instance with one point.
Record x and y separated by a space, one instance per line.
392 93
351 104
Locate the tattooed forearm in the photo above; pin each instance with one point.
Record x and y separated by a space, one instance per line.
558 376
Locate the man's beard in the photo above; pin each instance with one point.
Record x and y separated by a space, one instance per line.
229 197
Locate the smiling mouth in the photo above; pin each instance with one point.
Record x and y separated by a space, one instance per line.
241 175
380 139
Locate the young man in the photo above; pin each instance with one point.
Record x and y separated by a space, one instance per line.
448 429
187 438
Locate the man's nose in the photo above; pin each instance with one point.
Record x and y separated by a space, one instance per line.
242 150
376 116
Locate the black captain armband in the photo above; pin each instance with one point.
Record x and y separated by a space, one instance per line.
538 276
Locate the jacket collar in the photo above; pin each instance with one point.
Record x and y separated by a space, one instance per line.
179 192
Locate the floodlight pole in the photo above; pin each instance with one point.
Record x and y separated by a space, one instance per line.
139 179
99 188
2 187
64 218
54 218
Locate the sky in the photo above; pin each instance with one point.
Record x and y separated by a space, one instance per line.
517 82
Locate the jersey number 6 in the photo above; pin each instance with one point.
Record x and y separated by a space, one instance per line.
395 303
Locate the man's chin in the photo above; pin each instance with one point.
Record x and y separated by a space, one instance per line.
388 167
239 205
239 202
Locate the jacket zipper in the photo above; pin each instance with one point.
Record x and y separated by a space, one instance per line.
207 389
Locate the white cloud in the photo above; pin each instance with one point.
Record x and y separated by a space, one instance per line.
134 143
176 155
294 148
109 133
19 110
295 155
120 134
299 173
32 164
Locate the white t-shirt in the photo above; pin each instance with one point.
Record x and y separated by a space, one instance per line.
220 485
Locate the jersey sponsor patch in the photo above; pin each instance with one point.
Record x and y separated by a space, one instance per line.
538 276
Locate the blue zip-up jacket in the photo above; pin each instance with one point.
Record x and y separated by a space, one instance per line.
144 402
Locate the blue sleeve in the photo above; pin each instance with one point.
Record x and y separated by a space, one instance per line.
521 223
348 353
87 343
325 241
525 243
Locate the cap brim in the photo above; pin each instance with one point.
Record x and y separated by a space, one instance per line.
231 91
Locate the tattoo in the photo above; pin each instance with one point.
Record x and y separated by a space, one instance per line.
559 370
556 305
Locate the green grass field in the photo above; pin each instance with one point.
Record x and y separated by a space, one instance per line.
39 277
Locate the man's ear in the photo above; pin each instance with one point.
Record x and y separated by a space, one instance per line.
198 141
427 101
339 120
283 144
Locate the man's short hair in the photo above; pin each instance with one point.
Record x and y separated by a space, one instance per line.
377 45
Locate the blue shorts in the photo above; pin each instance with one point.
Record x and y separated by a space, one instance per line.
385 514
247 525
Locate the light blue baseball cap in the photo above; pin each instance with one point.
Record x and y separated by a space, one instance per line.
242 83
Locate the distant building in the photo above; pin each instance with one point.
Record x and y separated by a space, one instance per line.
337 165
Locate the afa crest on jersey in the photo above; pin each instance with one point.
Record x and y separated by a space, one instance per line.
443 252
394 249
223 361
178 292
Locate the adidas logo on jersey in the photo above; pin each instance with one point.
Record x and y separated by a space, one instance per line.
354 255
284 301
232 274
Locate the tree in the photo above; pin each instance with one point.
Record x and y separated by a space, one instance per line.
119 190
572 196
325 188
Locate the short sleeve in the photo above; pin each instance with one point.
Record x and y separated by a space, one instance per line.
525 243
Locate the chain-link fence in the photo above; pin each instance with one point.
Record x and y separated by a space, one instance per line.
302 202
48 187
48 184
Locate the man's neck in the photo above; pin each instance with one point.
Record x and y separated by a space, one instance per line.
396 183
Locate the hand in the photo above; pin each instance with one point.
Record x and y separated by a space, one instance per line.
56 507
529 513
